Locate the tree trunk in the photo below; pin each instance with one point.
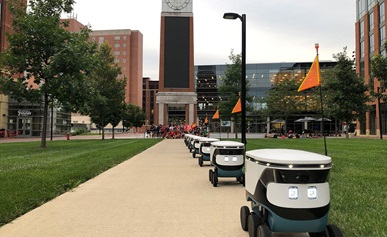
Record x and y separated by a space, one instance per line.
44 125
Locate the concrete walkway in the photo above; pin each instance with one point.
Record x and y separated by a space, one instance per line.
160 192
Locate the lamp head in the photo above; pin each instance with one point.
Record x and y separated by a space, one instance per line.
231 16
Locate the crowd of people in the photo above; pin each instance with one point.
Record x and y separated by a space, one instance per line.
173 131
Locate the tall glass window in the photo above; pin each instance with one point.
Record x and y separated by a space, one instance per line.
382 36
100 40
372 44
362 49
362 7
361 29
372 21
371 3
381 12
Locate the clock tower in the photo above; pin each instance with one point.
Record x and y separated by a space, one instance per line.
176 99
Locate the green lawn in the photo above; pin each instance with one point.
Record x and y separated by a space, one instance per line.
358 181
30 176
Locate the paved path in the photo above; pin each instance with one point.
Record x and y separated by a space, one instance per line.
160 192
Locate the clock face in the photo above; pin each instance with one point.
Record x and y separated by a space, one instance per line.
177 4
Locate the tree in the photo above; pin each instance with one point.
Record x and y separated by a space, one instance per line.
345 94
379 70
49 62
283 100
231 87
105 106
133 116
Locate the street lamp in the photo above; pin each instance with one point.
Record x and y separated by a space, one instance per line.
233 16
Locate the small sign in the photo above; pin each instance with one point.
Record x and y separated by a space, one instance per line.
23 112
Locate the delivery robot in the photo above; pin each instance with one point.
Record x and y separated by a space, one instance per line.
205 149
289 192
195 146
228 160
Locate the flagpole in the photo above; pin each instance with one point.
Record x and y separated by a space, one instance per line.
322 110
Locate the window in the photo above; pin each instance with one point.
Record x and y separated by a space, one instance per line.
361 29
117 37
372 21
124 45
100 40
372 43
382 35
362 49
124 60
116 53
371 3
124 37
116 45
116 60
381 12
123 52
362 7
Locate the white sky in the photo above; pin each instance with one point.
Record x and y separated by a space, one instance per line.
277 30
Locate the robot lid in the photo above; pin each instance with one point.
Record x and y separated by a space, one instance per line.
206 139
228 144
288 157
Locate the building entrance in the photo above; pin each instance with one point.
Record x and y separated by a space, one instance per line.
24 126
176 114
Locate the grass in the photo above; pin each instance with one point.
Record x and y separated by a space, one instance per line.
31 176
357 181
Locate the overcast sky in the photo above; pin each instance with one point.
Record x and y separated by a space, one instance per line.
277 30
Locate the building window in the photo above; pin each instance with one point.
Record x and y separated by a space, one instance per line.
362 49
381 13
362 7
117 37
124 45
100 40
371 21
371 4
372 44
382 36
123 68
124 37
116 53
361 29
123 52
116 60
124 60
116 45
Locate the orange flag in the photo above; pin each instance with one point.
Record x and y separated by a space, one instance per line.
238 107
312 79
206 120
216 115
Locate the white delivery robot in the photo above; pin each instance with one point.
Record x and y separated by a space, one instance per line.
186 138
289 192
205 149
195 146
191 142
228 158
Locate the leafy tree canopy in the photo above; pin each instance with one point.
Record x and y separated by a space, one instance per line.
49 62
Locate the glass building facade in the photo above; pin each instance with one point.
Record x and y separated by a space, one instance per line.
260 79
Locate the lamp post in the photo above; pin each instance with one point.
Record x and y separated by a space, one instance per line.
233 16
